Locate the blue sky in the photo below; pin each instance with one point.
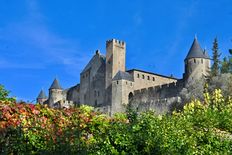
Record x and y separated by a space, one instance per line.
41 39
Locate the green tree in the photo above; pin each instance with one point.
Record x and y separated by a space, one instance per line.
4 94
216 61
226 64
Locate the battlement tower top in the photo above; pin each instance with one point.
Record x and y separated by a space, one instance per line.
116 42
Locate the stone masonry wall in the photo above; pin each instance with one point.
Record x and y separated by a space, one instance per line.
146 79
159 98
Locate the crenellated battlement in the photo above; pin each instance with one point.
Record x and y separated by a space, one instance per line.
164 87
117 42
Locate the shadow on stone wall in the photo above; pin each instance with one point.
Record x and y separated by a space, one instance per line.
162 99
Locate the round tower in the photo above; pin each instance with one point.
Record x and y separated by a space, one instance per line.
41 97
197 63
55 93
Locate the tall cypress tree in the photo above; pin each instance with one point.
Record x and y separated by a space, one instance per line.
216 61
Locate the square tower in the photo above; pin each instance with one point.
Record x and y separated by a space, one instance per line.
115 61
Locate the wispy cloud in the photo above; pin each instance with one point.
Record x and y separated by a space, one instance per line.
39 42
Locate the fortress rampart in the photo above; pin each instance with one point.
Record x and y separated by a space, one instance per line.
159 97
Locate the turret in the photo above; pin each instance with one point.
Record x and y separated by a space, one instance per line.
41 97
55 93
197 63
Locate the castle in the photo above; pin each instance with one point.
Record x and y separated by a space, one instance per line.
106 84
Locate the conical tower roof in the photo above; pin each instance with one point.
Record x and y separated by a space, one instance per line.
206 54
55 85
196 51
42 95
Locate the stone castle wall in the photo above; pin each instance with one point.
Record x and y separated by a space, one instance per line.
144 79
160 98
92 86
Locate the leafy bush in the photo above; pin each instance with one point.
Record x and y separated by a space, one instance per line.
201 128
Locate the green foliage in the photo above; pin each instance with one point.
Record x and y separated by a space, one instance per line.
203 127
226 64
4 94
216 61
131 114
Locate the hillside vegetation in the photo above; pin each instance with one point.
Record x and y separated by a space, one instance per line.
201 128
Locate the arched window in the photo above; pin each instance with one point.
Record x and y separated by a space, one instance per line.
130 96
194 60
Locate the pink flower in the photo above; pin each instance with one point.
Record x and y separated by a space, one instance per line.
32 106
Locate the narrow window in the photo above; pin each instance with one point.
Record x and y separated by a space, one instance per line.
95 93
143 76
194 60
126 82
98 93
153 78
117 82
137 75
148 77
95 103
130 96
202 61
